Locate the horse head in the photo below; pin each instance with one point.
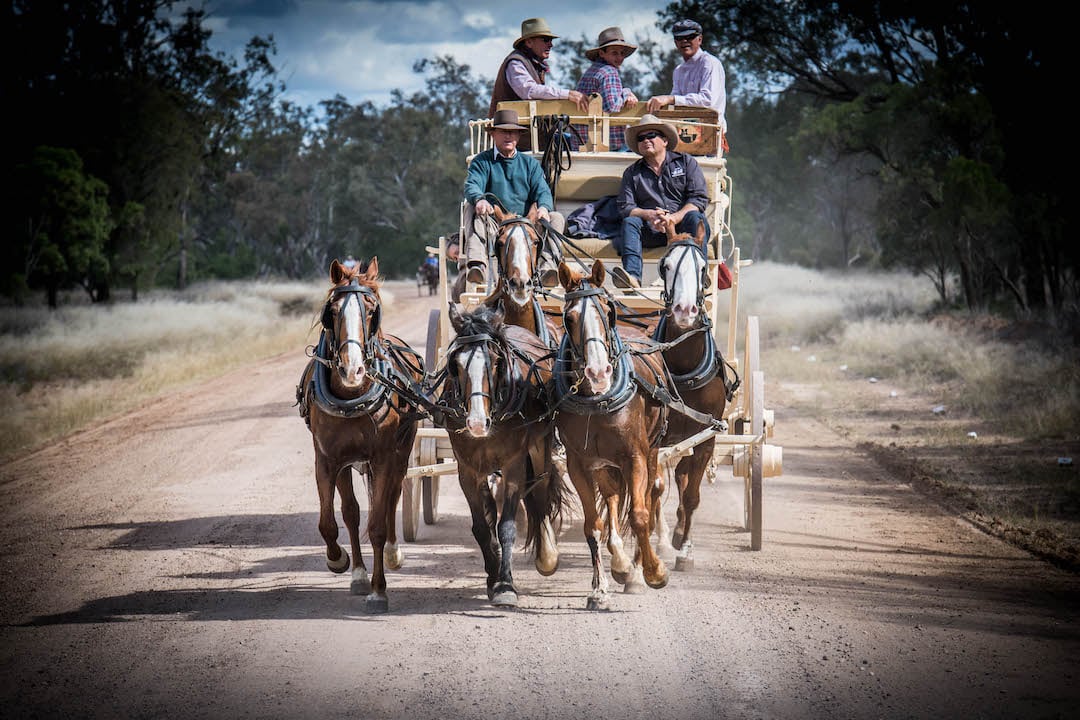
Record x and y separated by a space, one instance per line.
588 327
517 247
477 366
350 320
685 272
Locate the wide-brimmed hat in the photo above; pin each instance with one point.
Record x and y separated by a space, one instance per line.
609 37
686 28
647 123
534 27
505 120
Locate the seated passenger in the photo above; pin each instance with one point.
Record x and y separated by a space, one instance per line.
663 185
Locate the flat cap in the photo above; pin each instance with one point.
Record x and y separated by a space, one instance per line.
686 28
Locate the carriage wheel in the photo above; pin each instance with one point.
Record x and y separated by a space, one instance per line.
757 423
751 364
410 509
428 446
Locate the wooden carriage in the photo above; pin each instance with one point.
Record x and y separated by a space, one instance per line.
593 173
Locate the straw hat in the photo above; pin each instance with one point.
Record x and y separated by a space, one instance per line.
647 123
534 27
505 120
609 37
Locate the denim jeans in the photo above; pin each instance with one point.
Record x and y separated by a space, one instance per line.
636 234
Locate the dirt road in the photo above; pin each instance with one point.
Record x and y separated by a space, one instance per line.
168 563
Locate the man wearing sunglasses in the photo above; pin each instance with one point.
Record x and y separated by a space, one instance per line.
523 73
698 81
664 185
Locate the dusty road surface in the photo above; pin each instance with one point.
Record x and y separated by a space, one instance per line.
168 564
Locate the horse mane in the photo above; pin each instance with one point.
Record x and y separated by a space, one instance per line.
483 320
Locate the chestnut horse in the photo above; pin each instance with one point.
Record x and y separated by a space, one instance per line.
495 404
610 428
355 420
697 371
517 249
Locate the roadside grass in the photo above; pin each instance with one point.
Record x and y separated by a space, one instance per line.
973 409
63 370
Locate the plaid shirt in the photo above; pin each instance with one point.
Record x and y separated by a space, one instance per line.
604 79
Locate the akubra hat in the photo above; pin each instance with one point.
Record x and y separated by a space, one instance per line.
609 37
534 27
647 123
505 120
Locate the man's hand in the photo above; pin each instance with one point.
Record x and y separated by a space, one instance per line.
542 214
483 207
582 101
631 101
658 101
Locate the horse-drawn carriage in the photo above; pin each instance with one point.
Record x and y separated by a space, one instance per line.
584 176
513 369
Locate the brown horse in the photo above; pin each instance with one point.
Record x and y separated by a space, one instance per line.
517 249
355 420
610 428
495 403
697 371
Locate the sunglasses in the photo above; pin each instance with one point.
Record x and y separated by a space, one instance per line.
648 136
688 38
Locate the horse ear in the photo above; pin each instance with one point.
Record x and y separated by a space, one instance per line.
337 271
564 275
454 311
700 237
534 213
669 226
500 215
373 268
598 273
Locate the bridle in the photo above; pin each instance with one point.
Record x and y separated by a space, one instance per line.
703 282
503 245
362 294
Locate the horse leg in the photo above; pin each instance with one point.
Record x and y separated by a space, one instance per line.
642 500
504 594
337 560
350 511
592 527
477 492
664 547
690 498
393 555
384 489
622 567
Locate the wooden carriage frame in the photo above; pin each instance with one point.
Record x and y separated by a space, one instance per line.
595 172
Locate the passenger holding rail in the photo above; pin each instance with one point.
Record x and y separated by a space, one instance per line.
698 81
664 185
603 78
523 73
517 180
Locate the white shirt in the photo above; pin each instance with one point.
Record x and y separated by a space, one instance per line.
699 82
528 89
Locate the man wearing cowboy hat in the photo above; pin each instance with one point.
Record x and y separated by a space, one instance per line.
602 78
699 80
517 181
523 73
663 185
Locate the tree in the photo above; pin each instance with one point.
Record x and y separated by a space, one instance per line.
64 221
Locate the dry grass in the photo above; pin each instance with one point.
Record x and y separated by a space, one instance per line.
974 410
66 369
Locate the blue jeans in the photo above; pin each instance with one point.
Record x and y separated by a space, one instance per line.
636 234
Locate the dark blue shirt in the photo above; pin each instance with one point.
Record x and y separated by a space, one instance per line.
680 182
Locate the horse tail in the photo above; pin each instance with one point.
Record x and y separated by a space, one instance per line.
546 496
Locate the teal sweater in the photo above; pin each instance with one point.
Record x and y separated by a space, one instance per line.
518 182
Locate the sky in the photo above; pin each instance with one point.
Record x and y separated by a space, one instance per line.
364 49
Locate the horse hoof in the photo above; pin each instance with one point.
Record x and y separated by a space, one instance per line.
684 564
596 603
620 576
361 583
634 588
505 598
393 557
545 570
376 603
676 539
340 565
660 580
